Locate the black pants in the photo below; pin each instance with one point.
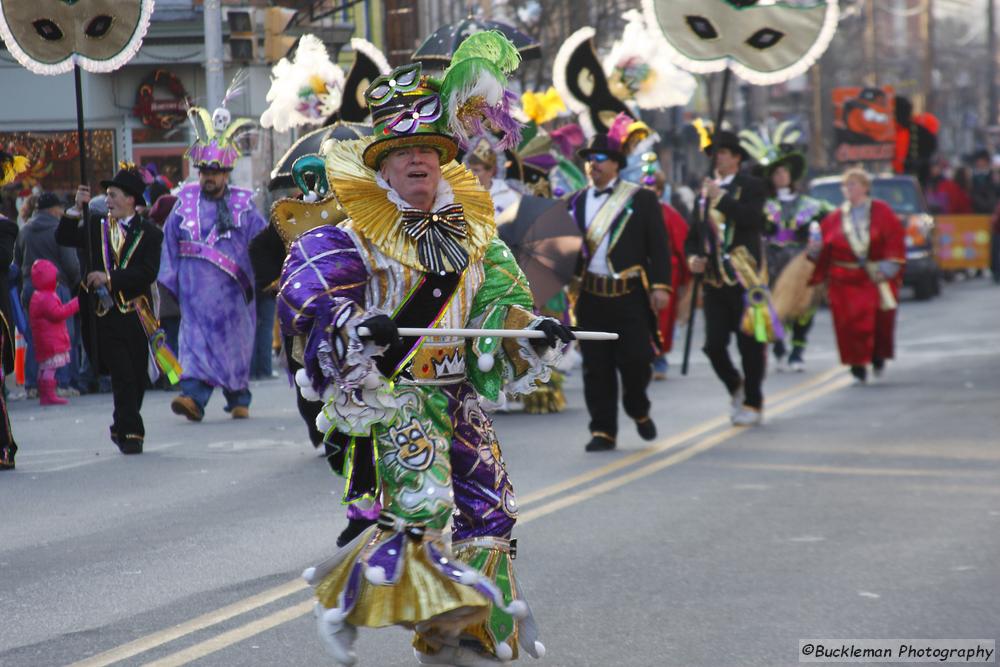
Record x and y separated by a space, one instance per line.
723 312
603 361
308 410
125 354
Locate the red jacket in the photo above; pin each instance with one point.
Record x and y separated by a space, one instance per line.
47 314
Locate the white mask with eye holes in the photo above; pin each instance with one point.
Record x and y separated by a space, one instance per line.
762 41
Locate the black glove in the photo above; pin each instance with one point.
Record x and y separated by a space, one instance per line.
554 332
383 331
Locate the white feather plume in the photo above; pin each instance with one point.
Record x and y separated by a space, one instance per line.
639 68
304 90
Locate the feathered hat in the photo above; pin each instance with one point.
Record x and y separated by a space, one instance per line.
470 100
777 150
219 138
305 89
622 136
11 166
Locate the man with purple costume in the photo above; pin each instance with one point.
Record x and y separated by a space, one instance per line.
419 249
206 266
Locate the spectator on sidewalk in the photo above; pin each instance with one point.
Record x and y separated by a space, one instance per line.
47 315
37 240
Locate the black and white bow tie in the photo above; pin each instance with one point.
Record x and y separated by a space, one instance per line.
437 234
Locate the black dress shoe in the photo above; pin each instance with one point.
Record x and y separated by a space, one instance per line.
646 428
354 528
600 443
130 444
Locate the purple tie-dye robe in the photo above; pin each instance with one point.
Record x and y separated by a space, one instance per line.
217 324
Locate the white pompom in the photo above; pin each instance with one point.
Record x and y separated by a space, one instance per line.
518 609
504 652
371 381
485 362
334 616
302 379
308 574
375 575
311 197
322 423
539 649
469 577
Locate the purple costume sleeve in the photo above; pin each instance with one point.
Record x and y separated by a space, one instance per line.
322 286
168 255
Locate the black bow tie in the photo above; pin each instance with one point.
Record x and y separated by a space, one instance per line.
437 235
602 193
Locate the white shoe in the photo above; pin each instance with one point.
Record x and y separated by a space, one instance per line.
736 401
747 416
337 634
796 366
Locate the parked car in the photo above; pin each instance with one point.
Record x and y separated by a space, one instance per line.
904 196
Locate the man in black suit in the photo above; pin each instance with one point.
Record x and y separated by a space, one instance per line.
8 235
624 279
735 203
123 261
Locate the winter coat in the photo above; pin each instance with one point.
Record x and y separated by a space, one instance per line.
47 314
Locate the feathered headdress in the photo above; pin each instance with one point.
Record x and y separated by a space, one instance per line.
304 90
772 151
470 100
638 68
11 166
219 140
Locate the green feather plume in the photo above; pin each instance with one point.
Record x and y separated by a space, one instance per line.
490 45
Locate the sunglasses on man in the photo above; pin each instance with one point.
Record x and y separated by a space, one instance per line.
598 157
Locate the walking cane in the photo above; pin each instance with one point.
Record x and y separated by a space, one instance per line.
703 224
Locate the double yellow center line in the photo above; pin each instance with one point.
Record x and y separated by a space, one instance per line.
823 384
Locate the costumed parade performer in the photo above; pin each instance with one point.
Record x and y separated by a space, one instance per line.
419 249
726 248
122 266
10 167
788 215
206 267
623 282
860 256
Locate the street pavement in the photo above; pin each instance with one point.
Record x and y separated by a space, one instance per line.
854 512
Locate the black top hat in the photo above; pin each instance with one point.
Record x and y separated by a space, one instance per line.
729 140
601 143
130 182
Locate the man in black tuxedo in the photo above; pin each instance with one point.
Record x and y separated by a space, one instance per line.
735 202
623 280
121 267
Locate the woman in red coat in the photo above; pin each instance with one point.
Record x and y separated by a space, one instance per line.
677 229
861 257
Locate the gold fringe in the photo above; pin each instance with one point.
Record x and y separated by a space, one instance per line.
376 218
422 595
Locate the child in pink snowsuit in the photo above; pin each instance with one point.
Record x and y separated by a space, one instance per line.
47 316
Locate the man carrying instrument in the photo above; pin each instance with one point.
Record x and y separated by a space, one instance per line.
726 249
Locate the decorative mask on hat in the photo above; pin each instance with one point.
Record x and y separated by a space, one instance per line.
411 109
761 43
50 36
219 140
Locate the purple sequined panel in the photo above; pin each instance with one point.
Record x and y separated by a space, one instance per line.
389 557
484 497
353 587
320 266
783 235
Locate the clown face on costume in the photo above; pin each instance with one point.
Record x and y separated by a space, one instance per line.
405 418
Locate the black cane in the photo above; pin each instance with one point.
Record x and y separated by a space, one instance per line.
85 213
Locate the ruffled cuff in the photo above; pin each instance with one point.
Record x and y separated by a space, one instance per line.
340 370
534 367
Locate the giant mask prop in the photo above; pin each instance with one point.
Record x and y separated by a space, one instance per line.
763 42
51 36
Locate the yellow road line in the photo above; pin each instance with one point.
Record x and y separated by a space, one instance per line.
241 633
667 443
234 636
853 470
149 642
